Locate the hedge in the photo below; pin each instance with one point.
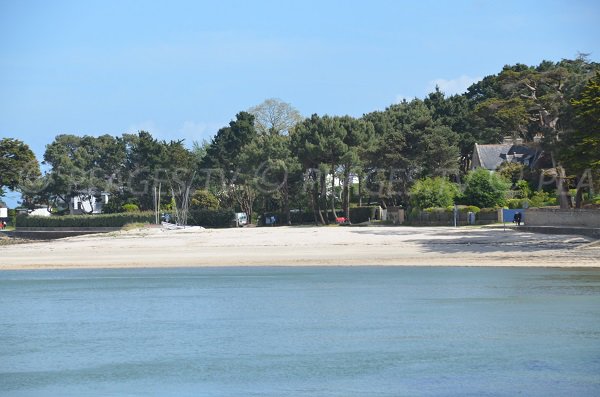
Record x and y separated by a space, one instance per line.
357 215
100 220
363 214
211 218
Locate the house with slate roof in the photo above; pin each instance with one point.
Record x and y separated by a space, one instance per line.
491 156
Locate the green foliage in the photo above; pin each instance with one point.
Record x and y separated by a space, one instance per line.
470 208
211 218
82 165
224 150
541 198
523 190
512 172
580 146
433 192
12 217
130 208
17 164
269 160
102 220
203 199
514 204
485 189
433 210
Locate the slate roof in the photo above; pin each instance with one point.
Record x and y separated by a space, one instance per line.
491 156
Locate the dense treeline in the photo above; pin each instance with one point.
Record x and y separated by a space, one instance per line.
271 159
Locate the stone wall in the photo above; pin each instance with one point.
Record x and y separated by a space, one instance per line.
558 217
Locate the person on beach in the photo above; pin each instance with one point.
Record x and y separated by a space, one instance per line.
517 218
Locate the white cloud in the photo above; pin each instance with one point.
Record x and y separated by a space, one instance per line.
197 131
148 126
458 85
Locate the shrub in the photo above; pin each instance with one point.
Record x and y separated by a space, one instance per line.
130 208
463 208
101 220
211 218
485 189
541 199
514 204
203 199
433 192
523 190
471 208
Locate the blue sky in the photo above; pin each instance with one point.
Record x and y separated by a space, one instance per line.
183 69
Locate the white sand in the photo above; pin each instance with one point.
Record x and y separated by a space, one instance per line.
306 246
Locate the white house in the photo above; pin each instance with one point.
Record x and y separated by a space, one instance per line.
38 211
3 210
83 205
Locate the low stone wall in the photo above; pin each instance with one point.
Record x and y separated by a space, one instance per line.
557 217
52 233
581 231
446 218
68 229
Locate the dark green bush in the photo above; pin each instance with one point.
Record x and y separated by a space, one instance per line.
12 217
101 220
363 214
211 218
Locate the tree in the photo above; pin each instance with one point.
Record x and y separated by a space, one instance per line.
274 117
360 143
433 192
223 156
203 199
319 143
17 164
267 163
485 189
411 145
512 172
181 169
526 101
223 151
580 146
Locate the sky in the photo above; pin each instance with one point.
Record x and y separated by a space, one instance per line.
183 69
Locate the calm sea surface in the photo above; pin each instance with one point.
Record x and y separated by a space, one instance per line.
362 331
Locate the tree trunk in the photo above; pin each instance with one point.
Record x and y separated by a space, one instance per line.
579 198
286 203
333 191
360 192
323 200
346 193
564 198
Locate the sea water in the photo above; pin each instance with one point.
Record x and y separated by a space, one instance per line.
309 331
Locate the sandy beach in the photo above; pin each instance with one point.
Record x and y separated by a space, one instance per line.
305 246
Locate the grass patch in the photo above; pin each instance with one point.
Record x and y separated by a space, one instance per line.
135 225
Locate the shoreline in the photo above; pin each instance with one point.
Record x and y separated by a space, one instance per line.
305 246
